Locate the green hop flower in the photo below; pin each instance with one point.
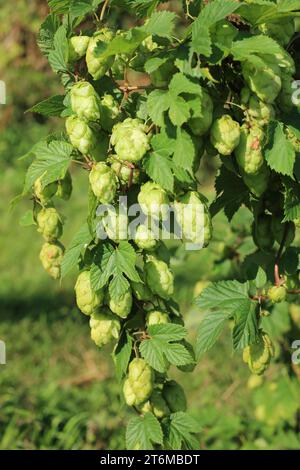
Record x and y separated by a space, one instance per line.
115 225
277 294
156 317
259 112
258 183
64 188
99 65
51 256
201 113
282 30
80 134
121 305
265 80
85 102
193 218
156 405
258 355
162 75
87 299
77 47
139 384
154 200
109 112
49 224
145 238
130 140
261 232
105 327
225 135
175 397
140 290
249 151
44 194
281 230
103 182
293 139
125 174
159 278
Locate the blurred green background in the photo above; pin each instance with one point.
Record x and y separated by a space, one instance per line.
57 390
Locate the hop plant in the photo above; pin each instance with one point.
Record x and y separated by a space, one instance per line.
139 383
145 238
260 113
175 397
258 355
80 134
225 134
64 187
130 140
277 294
49 224
202 113
105 327
156 317
249 151
109 111
159 278
193 218
124 172
85 102
87 299
264 80
154 200
121 305
77 47
51 256
97 64
44 194
103 182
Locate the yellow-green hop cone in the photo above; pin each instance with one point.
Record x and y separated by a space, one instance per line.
282 30
51 256
175 397
49 224
202 114
85 102
159 277
103 182
77 47
193 218
258 355
277 294
154 200
145 238
258 183
260 113
44 194
124 173
225 135
87 299
121 305
156 317
80 134
109 110
265 80
105 327
130 140
139 384
64 187
294 140
141 291
156 405
99 65
115 225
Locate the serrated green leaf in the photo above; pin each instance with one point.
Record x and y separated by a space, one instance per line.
152 353
258 44
291 200
181 84
52 106
122 354
159 169
167 332
261 278
279 152
180 430
157 103
58 57
47 32
245 330
80 240
59 6
154 63
160 23
142 432
179 111
184 150
27 219
209 331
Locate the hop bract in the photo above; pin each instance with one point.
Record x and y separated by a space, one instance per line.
109 110
103 182
130 140
277 294
80 134
125 173
225 135
97 64
139 384
84 101
145 238
175 397
258 355
193 218
264 80
64 187
121 305
159 278
156 317
51 256
105 327
44 194
77 47
49 224
87 299
154 200
115 225
260 113
249 151
202 114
